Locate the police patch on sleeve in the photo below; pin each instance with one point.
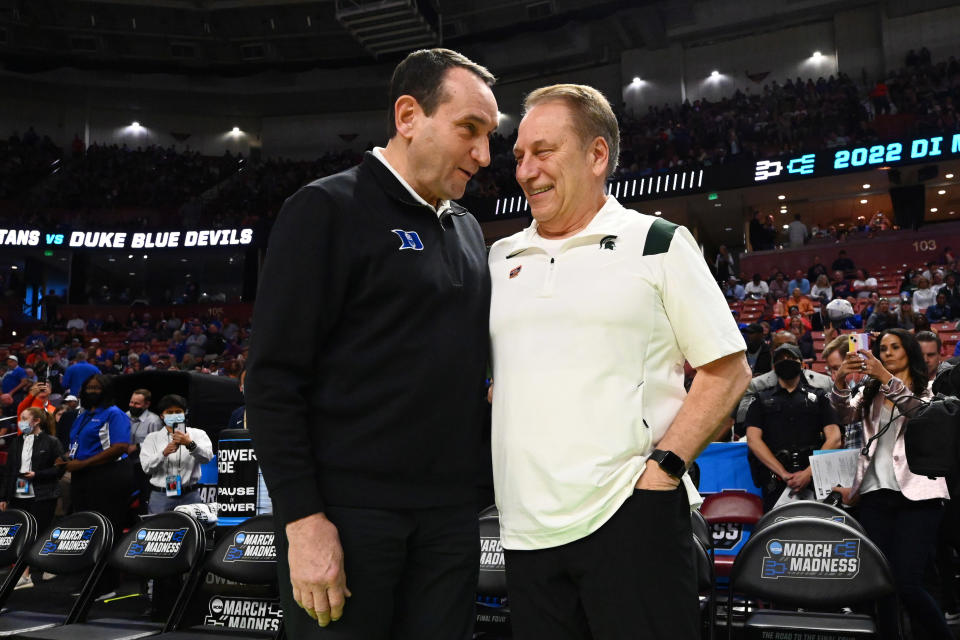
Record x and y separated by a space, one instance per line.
156 543
809 559
251 547
69 542
7 535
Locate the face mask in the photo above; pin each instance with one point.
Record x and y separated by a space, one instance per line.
173 419
787 369
90 399
25 427
136 412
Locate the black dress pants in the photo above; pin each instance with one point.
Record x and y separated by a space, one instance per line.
413 575
632 579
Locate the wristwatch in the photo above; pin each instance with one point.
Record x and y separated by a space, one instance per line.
669 462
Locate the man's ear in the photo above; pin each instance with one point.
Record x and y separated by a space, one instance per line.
599 154
406 112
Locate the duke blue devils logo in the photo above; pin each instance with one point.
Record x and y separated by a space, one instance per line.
409 240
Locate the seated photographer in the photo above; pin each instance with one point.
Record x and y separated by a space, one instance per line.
900 511
785 424
172 457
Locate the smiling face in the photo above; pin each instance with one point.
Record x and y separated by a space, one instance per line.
449 146
561 175
893 355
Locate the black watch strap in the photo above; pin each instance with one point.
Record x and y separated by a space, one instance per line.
669 462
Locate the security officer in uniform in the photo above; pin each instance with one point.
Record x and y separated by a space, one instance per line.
785 424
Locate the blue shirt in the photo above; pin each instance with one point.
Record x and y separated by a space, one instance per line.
94 431
803 284
76 375
12 378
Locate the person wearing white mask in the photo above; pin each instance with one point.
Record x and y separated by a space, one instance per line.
30 479
172 457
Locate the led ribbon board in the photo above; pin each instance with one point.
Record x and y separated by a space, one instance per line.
833 162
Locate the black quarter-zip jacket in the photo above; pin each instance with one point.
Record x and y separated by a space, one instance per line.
365 381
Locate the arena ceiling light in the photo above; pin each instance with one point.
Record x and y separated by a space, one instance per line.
235 130
816 55
637 80
863 201
933 209
949 176
866 185
781 197
135 125
941 192
714 74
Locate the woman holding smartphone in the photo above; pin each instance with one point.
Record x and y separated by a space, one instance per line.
172 457
900 511
30 478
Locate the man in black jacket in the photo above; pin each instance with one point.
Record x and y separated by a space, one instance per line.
365 389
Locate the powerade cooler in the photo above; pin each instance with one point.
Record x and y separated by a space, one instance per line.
241 492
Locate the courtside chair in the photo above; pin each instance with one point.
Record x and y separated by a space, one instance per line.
819 565
245 554
77 545
160 546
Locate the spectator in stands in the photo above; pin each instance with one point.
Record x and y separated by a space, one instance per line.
78 373
840 285
757 289
734 290
798 282
38 396
804 338
907 319
76 323
14 384
798 234
863 285
760 238
785 425
30 479
779 287
924 296
216 343
882 318
842 263
802 302
909 283
197 341
816 270
821 289
900 511
724 264
173 456
931 346
940 311
953 293
758 352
